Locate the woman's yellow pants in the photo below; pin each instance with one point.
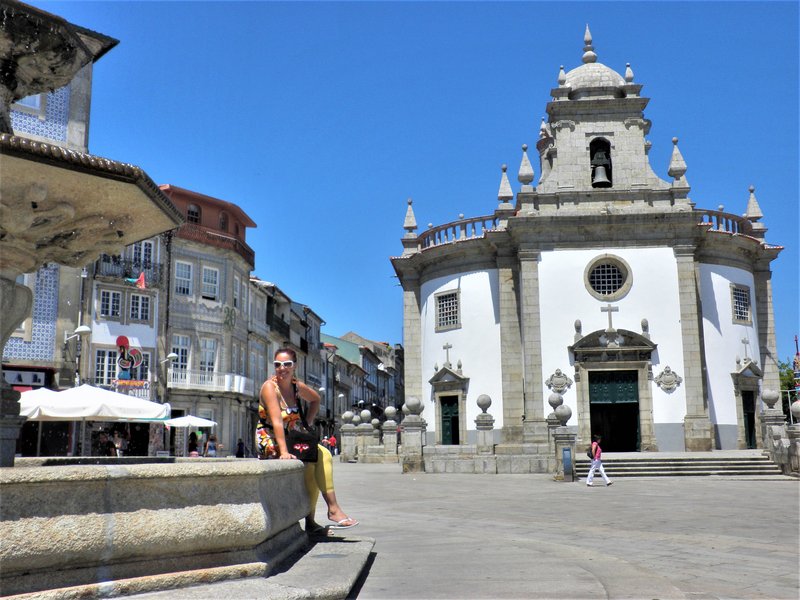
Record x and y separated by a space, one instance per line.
319 478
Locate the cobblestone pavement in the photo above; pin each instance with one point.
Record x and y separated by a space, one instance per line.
527 536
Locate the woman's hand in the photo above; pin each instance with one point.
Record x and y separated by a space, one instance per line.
287 456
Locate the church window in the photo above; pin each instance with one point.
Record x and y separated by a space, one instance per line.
608 277
448 314
740 296
193 214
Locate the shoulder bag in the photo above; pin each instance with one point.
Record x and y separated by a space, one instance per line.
302 442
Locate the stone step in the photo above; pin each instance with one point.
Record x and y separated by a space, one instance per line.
327 570
682 466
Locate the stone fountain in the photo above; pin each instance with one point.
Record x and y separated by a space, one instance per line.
56 205
79 531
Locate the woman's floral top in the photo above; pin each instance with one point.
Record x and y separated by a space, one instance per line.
266 446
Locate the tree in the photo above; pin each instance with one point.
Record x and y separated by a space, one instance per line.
789 392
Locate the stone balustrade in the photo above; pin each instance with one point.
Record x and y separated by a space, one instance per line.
456 231
124 528
721 221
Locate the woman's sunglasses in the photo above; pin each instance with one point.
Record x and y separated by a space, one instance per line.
284 363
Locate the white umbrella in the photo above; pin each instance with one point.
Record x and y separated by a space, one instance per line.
87 402
189 421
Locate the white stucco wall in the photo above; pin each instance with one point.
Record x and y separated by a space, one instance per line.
653 296
723 338
476 343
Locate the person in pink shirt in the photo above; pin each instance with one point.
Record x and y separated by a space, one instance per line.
597 462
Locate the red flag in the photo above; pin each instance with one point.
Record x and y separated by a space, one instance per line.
140 282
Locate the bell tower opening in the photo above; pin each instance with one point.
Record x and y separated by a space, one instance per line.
600 153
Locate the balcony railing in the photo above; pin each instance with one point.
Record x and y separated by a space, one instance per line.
456 231
114 266
198 233
209 381
278 325
721 221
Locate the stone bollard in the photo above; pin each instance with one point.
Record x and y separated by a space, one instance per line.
347 441
390 435
413 428
484 424
364 433
564 444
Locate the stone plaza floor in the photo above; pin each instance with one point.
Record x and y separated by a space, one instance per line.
527 536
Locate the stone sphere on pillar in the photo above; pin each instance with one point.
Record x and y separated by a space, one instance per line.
390 412
563 412
366 416
796 410
484 402
376 423
356 420
555 400
347 417
412 406
770 397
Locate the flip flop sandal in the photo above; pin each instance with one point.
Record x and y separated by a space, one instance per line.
341 524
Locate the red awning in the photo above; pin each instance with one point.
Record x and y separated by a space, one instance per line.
22 388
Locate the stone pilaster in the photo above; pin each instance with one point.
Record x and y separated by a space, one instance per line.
766 329
564 438
412 337
697 426
510 351
534 426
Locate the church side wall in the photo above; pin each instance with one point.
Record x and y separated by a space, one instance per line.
476 343
723 344
653 296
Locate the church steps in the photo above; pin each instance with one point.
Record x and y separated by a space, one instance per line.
682 466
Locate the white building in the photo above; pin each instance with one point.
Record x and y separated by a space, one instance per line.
602 282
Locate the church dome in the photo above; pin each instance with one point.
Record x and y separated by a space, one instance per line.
593 75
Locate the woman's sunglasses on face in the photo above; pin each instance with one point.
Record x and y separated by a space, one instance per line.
284 363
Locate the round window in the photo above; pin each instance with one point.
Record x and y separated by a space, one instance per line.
608 277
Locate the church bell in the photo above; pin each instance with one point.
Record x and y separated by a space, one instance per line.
599 178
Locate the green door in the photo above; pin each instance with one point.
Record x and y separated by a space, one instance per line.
614 409
449 420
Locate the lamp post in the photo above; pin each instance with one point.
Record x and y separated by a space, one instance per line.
171 357
80 331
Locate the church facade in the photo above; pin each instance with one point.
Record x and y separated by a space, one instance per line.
598 281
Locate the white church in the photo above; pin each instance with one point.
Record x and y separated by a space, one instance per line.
598 281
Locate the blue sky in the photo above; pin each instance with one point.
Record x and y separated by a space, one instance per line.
321 119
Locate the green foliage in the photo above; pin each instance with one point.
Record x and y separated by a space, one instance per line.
788 383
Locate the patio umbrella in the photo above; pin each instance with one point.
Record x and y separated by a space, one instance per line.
91 403
189 421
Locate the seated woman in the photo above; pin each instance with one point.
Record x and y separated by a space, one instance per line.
279 409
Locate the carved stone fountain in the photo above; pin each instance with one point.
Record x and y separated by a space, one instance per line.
56 205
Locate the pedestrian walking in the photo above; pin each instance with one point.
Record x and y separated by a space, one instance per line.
240 448
597 462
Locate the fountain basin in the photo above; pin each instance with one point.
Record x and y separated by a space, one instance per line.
104 530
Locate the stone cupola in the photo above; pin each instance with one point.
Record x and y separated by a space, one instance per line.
594 142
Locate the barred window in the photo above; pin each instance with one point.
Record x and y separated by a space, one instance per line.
606 278
740 296
448 314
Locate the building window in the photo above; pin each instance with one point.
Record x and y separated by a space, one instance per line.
142 372
193 214
143 254
223 221
608 277
183 278
208 355
109 304
105 367
236 284
32 105
140 307
448 314
180 346
740 297
210 283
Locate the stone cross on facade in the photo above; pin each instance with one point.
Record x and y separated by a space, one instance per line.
447 348
746 342
609 309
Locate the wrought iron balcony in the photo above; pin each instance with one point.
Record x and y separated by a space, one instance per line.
114 266
278 325
209 381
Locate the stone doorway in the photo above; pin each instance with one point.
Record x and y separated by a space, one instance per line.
749 418
614 409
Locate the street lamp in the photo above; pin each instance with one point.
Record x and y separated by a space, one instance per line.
80 331
171 357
